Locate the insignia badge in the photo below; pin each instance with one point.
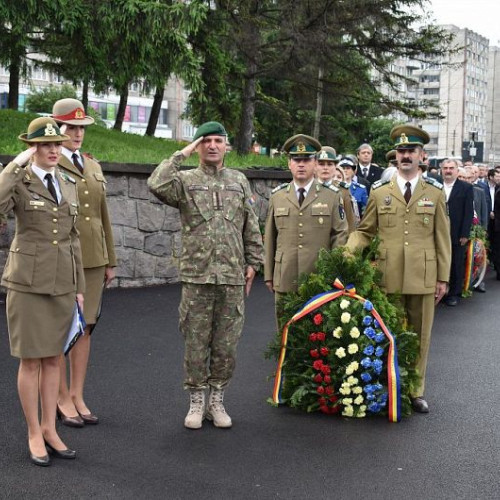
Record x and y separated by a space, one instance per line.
341 212
426 220
50 130
323 155
79 114
320 220
403 139
301 147
388 200
35 196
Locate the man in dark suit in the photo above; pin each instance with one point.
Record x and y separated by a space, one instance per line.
366 169
460 199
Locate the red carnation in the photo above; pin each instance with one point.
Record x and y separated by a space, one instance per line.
324 409
314 353
318 378
322 401
317 319
325 369
324 351
329 390
313 337
320 390
327 379
318 365
321 336
333 398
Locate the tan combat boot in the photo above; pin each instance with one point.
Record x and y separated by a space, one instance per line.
216 410
196 412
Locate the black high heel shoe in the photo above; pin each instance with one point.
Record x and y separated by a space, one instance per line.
67 453
41 461
76 421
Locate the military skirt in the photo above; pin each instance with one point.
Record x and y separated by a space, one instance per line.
94 281
38 323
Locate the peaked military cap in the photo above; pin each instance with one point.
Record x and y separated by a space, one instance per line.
301 146
43 129
327 153
348 162
209 128
408 136
71 112
390 156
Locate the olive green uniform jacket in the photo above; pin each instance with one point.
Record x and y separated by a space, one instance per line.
220 230
45 255
295 234
93 223
415 244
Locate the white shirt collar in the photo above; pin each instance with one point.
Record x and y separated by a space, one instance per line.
305 187
41 173
69 154
401 181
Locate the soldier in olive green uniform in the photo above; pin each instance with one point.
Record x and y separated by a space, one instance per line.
304 216
221 252
43 276
409 215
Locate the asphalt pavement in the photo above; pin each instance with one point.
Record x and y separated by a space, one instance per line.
141 449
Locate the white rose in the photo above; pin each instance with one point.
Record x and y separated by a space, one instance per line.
344 304
353 348
340 352
345 317
354 333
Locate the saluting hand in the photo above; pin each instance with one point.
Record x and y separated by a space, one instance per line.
23 158
188 150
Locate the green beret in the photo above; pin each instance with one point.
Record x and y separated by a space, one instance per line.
327 153
408 136
209 128
301 146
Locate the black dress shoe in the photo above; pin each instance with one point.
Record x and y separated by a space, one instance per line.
67 453
420 405
89 418
451 301
76 421
41 461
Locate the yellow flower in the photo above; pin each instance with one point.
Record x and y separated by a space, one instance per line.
345 317
354 333
344 304
345 391
348 411
361 414
347 401
354 365
352 380
337 333
362 408
353 348
340 352
357 390
359 400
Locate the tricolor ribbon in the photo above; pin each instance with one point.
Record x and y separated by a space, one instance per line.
393 380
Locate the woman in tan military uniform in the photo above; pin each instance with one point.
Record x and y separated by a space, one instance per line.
43 276
98 253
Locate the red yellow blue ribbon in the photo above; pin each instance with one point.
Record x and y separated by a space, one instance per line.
393 379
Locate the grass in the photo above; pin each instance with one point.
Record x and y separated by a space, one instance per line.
118 147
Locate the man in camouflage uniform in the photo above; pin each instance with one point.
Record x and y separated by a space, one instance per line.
221 252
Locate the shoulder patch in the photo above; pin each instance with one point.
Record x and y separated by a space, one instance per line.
343 184
329 186
66 177
379 183
279 188
433 182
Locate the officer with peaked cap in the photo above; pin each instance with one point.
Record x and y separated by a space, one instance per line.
408 213
304 216
43 276
221 252
325 171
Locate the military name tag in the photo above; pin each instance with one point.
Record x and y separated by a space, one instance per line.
281 211
37 203
320 205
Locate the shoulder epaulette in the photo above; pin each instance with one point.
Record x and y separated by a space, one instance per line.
331 186
343 184
279 188
433 182
379 183
66 177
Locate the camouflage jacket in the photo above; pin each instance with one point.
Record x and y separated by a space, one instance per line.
220 230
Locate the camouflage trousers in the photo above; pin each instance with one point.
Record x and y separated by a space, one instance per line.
211 320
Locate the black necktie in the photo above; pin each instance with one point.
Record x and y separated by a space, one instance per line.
407 194
51 188
301 196
365 171
76 162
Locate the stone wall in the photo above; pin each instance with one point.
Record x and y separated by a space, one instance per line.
147 232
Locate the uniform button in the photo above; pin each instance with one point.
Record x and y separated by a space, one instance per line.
87 218
54 209
300 246
86 205
407 210
406 243
17 249
54 231
406 222
35 207
406 232
16 170
85 192
300 224
55 220
83 180
300 213
301 235
54 242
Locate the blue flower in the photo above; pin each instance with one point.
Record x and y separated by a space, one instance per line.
378 386
366 362
368 306
369 350
370 397
366 377
379 337
374 407
383 398
369 388
376 324
369 332
377 366
378 351
367 320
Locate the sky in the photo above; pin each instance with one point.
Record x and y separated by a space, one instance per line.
481 16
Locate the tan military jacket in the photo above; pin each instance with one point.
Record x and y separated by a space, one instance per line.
45 255
220 230
294 235
93 223
415 243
